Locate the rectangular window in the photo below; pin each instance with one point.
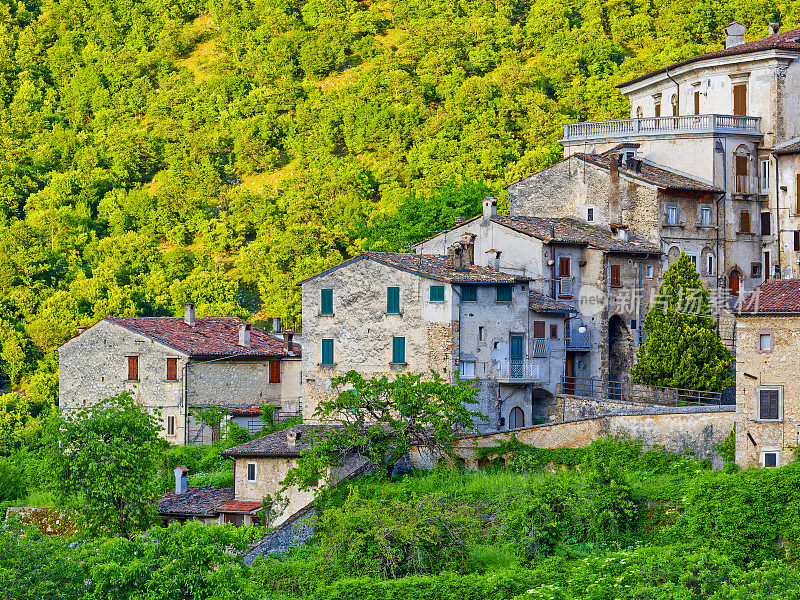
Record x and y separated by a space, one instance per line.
326 302
767 266
274 371
705 216
744 221
764 176
692 259
480 334
538 330
327 352
766 229
437 293
590 215
172 369
615 278
797 196
740 99
633 324
658 110
234 519
765 342
769 404
170 425
770 460
710 264
469 293
797 241
741 174
398 350
251 472
648 271
553 331
503 293
563 266
133 368
393 300
466 369
697 102
672 214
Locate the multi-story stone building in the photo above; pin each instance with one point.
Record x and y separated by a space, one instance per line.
386 313
178 366
606 276
767 375
707 164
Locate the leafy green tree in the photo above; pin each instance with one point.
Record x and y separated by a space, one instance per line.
382 420
104 462
683 348
13 357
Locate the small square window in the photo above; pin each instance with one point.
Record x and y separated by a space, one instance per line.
770 460
466 369
437 293
469 293
765 342
503 293
251 472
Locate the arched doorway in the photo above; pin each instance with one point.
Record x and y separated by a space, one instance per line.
620 354
516 419
733 283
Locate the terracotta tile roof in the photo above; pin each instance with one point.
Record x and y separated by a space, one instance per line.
572 231
788 40
274 444
773 296
211 336
244 411
541 303
195 502
431 266
242 506
649 173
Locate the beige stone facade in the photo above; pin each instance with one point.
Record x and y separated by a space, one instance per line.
759 435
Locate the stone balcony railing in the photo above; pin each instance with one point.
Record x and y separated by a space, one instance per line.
646 126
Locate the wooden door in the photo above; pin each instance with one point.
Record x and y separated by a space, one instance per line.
734 284
569 374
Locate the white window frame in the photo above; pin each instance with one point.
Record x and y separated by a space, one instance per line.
648 271
761 337
780 403
590 214
671 209
763 176
247 472
463 372
705 210
171 419
774 451
693 259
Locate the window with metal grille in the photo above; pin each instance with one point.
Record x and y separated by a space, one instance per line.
769 404
172 369
133 368
398 350
326 302
393 300
274 371
615 278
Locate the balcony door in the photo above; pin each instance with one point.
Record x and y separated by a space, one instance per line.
515 354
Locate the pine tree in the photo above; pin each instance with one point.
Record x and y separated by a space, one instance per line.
683 348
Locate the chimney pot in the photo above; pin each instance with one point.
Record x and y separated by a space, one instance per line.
489 208
734 34
181 479
291 437
288 345
774 28
188 314
244 335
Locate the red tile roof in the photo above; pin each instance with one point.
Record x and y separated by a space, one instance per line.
243 506
244 411
788 40
773 296
210 336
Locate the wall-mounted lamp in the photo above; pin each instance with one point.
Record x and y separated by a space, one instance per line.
582 328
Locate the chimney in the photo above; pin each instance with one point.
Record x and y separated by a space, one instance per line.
459 220
287 340
292 435
82 328
774 27
497 254
468 243
489 208
188 314
181 478
613 166
276 324
734 34
244 335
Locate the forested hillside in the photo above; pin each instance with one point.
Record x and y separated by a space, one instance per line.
160 152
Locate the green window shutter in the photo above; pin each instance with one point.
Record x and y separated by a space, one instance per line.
398 350
437 293
327 352
469 293
504 293
393 300
326 304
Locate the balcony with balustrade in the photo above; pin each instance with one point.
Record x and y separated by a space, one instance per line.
629 129
575 340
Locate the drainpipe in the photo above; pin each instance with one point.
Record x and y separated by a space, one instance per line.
778 219
677 93
185 403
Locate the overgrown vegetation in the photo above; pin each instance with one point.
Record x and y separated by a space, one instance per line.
607 521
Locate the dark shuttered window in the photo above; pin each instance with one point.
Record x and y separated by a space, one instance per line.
326 302
133 368
768 404
172 369
393 300
327 352
398 349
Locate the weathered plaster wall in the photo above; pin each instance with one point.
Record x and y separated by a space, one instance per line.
779 367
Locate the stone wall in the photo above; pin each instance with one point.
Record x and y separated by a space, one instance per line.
778 368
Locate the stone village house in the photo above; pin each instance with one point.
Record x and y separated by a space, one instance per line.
768 375
177 365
